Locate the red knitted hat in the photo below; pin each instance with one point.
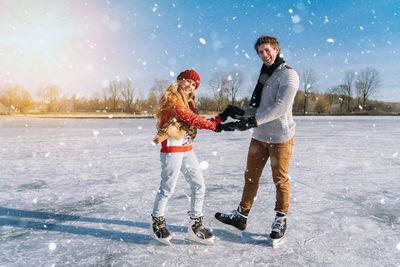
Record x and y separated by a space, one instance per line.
190 74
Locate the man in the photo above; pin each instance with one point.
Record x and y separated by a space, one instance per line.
270 111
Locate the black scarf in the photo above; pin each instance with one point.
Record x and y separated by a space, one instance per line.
265 73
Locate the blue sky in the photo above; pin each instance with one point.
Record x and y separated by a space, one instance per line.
83 45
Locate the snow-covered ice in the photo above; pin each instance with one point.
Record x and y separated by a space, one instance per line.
88 201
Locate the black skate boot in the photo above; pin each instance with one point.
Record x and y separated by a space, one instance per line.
158 230
278 226
198 233
235 223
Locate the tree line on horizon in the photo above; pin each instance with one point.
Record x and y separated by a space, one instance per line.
352 96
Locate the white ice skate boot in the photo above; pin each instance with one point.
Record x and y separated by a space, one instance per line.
198 233
158 231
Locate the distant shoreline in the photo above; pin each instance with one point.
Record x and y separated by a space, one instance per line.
74 116
131 116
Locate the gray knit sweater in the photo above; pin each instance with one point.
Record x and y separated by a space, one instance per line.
274 115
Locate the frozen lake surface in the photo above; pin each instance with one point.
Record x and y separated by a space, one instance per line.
80 193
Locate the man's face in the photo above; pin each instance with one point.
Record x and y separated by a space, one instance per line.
188 86
267 54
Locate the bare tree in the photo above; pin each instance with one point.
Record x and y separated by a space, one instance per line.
140 102
127 93
219 84
159 88
156 92
94 103
339 94
309 80
114 89
16 97
234 82
49 95
367 84
347 86
206 103
151 104
105 98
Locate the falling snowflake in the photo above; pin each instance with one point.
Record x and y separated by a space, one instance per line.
330 40
204 165
52 246
203 41
296 19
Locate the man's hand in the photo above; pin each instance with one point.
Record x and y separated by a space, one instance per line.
231 111
242 125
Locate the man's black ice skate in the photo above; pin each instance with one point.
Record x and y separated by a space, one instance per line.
235 223
158 230
278 228
198 233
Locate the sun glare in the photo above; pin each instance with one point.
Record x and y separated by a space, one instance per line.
40 39
45 43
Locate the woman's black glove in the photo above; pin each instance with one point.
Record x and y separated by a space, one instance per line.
231 111
242 125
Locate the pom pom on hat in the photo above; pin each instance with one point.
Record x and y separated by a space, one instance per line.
190 74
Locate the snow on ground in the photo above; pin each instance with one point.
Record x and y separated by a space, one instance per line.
80 192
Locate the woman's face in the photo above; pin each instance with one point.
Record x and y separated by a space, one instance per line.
188 86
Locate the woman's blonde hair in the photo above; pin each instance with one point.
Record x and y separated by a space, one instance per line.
173 94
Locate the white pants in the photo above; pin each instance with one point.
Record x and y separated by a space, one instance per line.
171 165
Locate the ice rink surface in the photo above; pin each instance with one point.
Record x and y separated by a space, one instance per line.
80 192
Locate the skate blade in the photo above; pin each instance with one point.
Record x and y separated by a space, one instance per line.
276 242
207 242
231 229
165 241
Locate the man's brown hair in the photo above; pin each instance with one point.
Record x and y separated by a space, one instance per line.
266 39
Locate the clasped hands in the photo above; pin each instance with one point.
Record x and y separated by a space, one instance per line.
242 124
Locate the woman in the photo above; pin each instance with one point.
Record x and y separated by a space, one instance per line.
177 121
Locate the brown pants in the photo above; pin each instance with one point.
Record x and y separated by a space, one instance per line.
257 157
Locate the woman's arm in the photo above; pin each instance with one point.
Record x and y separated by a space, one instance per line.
188 116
